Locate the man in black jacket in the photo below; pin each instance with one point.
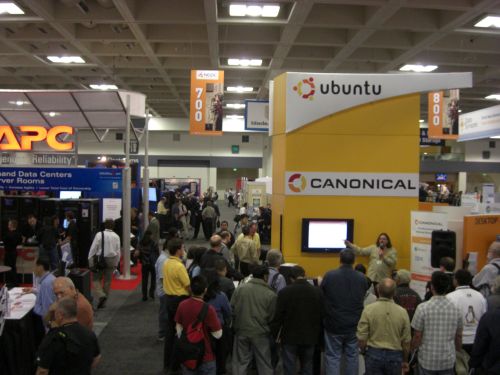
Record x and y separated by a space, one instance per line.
213 254
297 322
486 350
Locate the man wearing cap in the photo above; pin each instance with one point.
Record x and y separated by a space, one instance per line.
405 296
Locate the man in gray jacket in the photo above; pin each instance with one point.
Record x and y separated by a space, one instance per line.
254 305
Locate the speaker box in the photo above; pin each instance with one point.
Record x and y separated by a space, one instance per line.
81 279
443 244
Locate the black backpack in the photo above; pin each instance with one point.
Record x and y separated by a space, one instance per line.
190 347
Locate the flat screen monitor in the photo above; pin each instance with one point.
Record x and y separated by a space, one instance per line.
326 235
152 194
70 194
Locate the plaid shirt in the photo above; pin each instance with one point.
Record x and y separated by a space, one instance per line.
438 320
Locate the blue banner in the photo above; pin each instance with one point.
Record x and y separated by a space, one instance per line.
107 180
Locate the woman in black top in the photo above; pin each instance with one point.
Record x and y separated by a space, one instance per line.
11 239
48 237
148 253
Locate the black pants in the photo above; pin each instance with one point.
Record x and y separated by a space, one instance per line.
223 347
148 272
208 228
10 260
196 225
245 268
168 357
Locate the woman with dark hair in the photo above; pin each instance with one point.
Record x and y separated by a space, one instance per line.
383 257
194 255
148 253
220 303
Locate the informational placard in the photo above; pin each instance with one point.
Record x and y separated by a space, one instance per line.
104 180
443 114
352 184
484 123
257 115
426 141
206 106
111 208
423 223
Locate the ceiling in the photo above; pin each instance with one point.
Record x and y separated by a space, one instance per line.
150 46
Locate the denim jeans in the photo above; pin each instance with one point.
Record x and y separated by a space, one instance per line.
335 346
383 361
423 371
206 368
304 353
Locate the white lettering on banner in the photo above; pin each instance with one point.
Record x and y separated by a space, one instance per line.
352 184
198 104
312 96
207 74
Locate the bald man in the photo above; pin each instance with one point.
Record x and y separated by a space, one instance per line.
64 288
483 281
384 333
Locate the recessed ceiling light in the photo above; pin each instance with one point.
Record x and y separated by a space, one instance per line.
52 114
420 120
235 105
234 116
242 10
493 97
239 89
244 62
418 68
18 102
10 8
66 59
489 21
103 86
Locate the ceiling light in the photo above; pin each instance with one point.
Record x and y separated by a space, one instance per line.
52 114
459 111
239 89
489 21
234 116
18 102
493 97
103 86
420 120
235 105
495 137
244 62
66 59
10 8
418 68
242 10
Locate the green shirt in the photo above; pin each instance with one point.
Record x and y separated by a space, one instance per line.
384 325
378 268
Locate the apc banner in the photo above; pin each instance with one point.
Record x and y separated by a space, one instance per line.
443 107
207 92
103 180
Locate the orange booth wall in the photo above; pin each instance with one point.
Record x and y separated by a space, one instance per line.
479 232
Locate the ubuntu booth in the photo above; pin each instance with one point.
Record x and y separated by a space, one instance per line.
346 161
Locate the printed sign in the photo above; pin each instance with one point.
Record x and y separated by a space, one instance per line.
422 226
257 115
207 92
484 123
426 141
312 96
443 114
19 158
28 135
352 184
102 180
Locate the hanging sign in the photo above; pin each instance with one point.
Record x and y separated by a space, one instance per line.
257 115
483 123
207 92
443 114
33 134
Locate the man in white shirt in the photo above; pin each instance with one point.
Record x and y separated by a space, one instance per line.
471 304
111 250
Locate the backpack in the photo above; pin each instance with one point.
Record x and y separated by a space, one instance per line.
274 281
485 289
190 347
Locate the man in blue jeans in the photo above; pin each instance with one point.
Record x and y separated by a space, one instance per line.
344 291
384 333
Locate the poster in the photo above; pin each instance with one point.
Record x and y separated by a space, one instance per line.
257 115
206 104
111 208
443 112
422 226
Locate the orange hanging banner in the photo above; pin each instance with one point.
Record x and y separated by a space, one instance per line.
206 111
443 114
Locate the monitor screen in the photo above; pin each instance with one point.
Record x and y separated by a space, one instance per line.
70 194
152 194
442 177
326 235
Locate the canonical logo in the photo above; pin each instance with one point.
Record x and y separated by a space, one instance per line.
297 182
306 88
352 184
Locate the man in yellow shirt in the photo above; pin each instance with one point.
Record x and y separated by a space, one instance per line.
176 286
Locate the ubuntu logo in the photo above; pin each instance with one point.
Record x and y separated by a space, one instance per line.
296 179
306 93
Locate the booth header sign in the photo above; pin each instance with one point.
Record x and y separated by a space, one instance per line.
30 134
207 91
352 184
312 96
257 115
484 123
102 180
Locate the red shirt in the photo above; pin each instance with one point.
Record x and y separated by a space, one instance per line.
186 314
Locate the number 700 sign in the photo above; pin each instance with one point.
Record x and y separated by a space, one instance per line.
205 84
